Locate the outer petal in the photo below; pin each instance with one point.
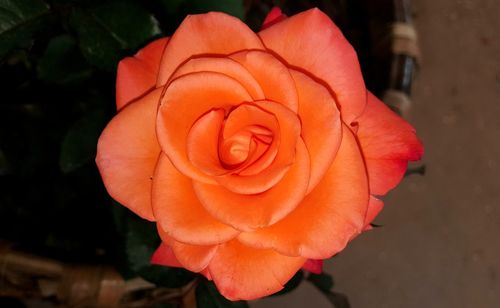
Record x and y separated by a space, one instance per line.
274 16
388 142
311 42
241 272
328 217
127 153
185 100
247 212
164 255
192 257
178 211
211 33
224 66
202 142
385 174
321 125
272 75
313 266
137 75
374 207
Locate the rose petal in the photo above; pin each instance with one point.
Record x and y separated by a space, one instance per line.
272 75
178 211
289 126
203 142
206 273
211 33
186 99
151 54
385 174
313 266
137 75
312 42
248 212
388 142
328 217
244 273
127 153
224 66
239 147
192 257
164 255
251 118
375 206
274 16
321 125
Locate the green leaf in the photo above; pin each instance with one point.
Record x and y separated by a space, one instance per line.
207 296
79 144
107 30
140 243
231 7
292 284
96 43
128 22
62 62
19 21
322 281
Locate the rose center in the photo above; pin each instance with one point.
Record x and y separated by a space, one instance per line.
246 145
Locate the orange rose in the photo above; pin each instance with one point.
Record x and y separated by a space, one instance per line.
253 153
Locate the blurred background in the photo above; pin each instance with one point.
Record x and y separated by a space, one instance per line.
437 243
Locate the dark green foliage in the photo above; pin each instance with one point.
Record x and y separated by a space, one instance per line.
79 144
293 283
233 7
207 296
141 240
420 170
106 30
19 21
62 62
324 282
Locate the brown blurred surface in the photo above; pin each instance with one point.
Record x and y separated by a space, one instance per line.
439 246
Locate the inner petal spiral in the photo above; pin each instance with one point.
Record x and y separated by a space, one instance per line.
274 163
251 142
242 143
257 131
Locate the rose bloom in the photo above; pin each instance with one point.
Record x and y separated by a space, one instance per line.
255 154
